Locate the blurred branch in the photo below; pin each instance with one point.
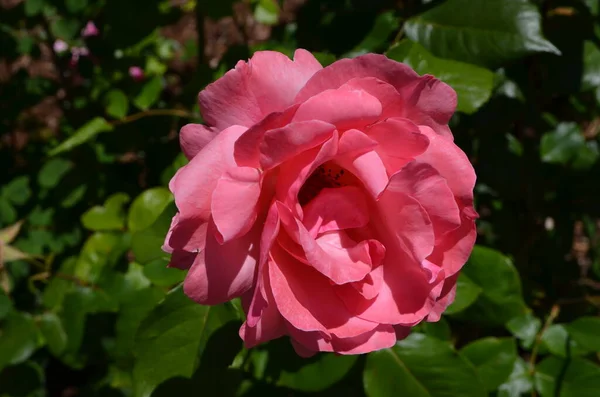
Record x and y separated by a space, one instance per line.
200 32
538 339
155 112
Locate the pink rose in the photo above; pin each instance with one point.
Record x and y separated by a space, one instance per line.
136 73
332 200
60 46
90 30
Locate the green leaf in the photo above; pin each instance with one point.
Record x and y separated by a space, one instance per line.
8 213
76 5
146 244
111 216
64 28
585 331
591 66
593 5
566 144
149 94
87 132
421 366
385 25
467 293
5 304
172 338
501 296
562 144
101 251
133 310
147 207
440 329
473 84
117 104
555 339
33 7
520 381
17 191
324 58
159 274
494 359
19 339
483 32
327 370
581 378
77 304
267 12
525 328
53 332
53 171
57 288
23 380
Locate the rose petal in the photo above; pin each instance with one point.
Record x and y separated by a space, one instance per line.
336 209
300 292
406 222
334 254
293 174
369 169
245 95
452 252
345 108
424 183
399 142
234 202
194 183
427 100
222 271
194 137
403 296
354 143
382 337
451 162
281 144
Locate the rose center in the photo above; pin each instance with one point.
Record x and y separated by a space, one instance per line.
328 175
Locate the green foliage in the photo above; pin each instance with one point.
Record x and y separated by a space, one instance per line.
88 304
421 366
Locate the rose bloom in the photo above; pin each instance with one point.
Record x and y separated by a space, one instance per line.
332 200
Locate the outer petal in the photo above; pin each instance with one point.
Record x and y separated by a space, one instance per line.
185 239
424 183
426 100
283 143
269 325
267 83
258 298
403 296
452 164
399 142
194 137
222 272
345 107
194 183
452 252
406 223
308 343
234 202
300 292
